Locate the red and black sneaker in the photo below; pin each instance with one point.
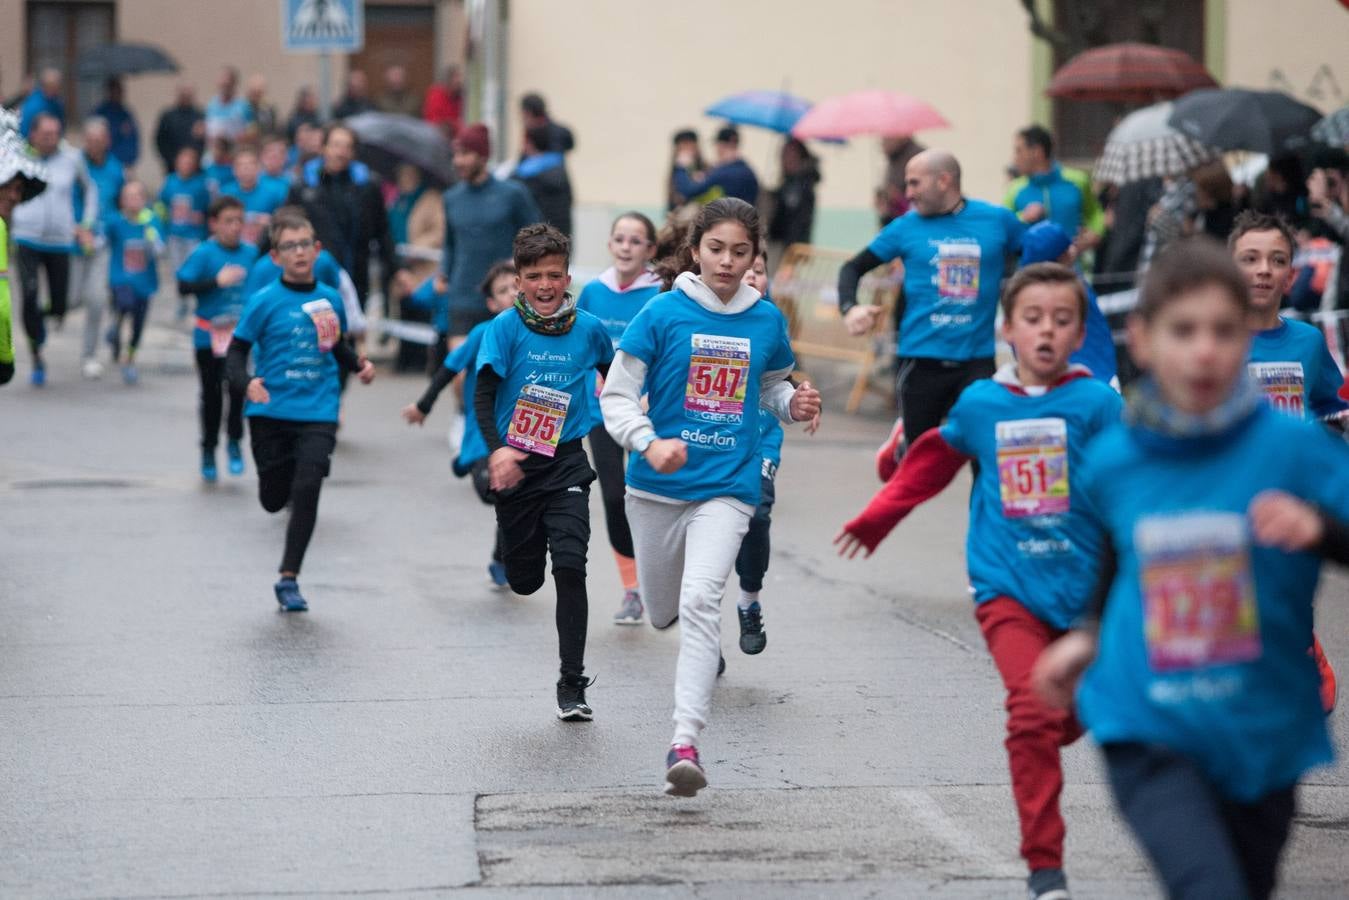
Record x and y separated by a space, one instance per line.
684 775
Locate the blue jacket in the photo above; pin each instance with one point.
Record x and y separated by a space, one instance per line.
734 179
36 104
480 225
1064 193
126 137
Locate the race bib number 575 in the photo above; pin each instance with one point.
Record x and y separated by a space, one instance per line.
536 424
718 377
1198 592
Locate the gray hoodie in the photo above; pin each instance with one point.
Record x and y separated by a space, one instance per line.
47 222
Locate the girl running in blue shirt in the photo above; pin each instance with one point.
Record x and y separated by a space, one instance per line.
707 354
1217 513
500 288
134 245
615 298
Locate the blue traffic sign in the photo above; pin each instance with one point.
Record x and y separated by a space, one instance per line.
323 25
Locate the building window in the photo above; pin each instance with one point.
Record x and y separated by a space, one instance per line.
1080 127
58 32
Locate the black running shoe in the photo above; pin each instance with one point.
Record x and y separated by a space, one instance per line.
752 636
571 698
721 666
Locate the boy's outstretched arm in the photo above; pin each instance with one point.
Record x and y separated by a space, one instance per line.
928 467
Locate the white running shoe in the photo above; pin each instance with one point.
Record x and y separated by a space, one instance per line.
92 369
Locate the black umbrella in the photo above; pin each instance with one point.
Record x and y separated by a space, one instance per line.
111 60
388 140
1269 122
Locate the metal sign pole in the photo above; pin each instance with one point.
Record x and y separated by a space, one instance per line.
325 86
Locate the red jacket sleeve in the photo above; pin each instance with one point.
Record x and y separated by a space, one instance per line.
928 467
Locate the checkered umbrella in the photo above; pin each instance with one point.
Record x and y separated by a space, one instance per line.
1143 145
1334 128
16 160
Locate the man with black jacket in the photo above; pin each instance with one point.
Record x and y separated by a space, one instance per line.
181 125
346 210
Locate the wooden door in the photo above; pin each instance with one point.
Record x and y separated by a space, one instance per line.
398 33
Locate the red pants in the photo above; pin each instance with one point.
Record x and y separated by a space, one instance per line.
1035 732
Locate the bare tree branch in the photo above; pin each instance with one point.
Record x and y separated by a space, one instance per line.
1042 29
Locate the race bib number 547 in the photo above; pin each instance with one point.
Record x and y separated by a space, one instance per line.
1198 592
718 377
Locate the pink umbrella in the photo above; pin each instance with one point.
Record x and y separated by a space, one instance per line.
885 113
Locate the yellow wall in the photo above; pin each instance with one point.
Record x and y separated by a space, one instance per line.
1285 44
625 75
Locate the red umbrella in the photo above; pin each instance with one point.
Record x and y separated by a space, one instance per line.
886 113
1129 73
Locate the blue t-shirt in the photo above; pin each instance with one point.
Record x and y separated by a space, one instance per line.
615 310
206 261
1032 535
425 297
132 249
952 277
266 272
108 179
1295 370
481 221
1204 640
770 429
703 375
464 359
543 379
259 204
1098 348
293 333
185 202
217 176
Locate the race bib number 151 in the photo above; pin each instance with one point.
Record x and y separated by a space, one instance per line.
1033 467
326 324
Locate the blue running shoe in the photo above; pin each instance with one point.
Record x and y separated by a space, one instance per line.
497 572
39 376
288 595
684 775
129 374
236 458
208 471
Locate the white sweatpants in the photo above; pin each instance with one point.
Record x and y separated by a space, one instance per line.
685 553
89 286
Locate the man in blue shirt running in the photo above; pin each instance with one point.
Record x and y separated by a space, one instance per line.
954 252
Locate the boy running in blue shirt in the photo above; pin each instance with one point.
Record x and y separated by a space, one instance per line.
1032 542
295 326
530 402
500 288
1217 513
215 272
1289 359
134 245
615 298
183 201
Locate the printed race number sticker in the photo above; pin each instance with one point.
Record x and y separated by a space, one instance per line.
536 424
1033 467
133 257
327 326
221 329
1198 593
1282 385
958 270
181 210
718 376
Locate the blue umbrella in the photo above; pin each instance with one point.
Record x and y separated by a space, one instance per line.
775 110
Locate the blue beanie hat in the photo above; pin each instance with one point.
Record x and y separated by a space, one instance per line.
1044 242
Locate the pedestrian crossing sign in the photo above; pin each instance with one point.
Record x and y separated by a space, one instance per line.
323 25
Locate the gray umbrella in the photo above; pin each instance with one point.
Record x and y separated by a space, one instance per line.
111 60
389 139
1334 128
1269 122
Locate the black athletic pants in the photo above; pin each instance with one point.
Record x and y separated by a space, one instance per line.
214 387
1203 845
292 459
752 563
927 389
57 267
548 514
610 461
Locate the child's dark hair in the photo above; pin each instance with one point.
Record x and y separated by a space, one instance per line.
680 259
222 203
534 242
505 267
640 219
1044 273
1251 220
1185 265
287 218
